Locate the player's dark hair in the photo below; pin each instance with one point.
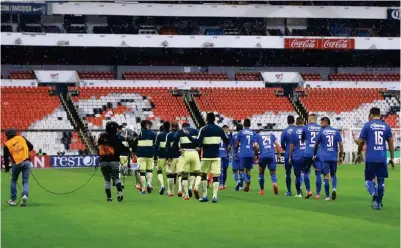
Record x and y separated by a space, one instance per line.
374 111
247 123
175 126
210 118
111 127
166 126
290 119
239 127
224 126
326 119
144 124
184 125
300 121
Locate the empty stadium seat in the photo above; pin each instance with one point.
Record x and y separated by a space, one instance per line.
248 76
201 76
96 75
311 76
364 77
21 75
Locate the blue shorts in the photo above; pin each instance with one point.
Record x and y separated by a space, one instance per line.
308 162
224 163
270 162
236 165
297 165
373 170
246 163
329 167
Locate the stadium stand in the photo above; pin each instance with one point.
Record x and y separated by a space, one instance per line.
201 76
21 75
364 77
248 76
311 76
96 75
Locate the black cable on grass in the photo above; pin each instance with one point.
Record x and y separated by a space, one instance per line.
20 190
68 192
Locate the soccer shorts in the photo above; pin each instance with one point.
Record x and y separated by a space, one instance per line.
308 162
246 163
145 164
180 164
124 165
297 165
171 166
161 163
236 165
373 170
224 163
270 162
329 167
211 166
190 161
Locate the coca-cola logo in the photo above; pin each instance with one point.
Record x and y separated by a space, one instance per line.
336 44
305 43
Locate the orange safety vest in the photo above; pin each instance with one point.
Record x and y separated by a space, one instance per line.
18 149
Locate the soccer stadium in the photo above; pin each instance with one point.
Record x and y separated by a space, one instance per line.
186 123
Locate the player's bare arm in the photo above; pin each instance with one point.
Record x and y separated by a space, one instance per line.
390 143
341 152
361 143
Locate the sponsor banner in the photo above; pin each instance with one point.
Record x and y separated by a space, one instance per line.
37 162
319 43
393 14
73 161
24 8
282 77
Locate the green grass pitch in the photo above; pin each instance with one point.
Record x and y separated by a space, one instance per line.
85 220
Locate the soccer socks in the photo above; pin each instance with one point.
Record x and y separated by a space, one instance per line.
204 188
185 185
236 177
170 183
380 190
262 181
334 182
298 184
197 182
107 187
318 175
370 186
225 176
288 180
327 187
192 181
149 176
243 176
273 177
160 177
215 186
143 180
307 182
179 183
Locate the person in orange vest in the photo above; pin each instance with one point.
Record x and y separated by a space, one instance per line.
17 148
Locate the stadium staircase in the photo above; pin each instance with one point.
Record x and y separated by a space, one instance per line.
78 123
299 107
193 110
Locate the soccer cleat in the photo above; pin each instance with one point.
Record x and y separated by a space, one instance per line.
109 199
288 193
12 202
204 199
24 200
123 186
162 189
224 187
334 195
120 196
171 194
138 187
179 193
221 187
317 197
186 198
190 193
374 201
237 186
308 195
214 200
196 193
247 186
261 192
327 199
275 189
149 189
298 196
143 192
379 206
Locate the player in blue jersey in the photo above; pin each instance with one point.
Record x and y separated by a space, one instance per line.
245 141
236 165
309 134
296 155
375 133
224 155
331 150
286 144
266 144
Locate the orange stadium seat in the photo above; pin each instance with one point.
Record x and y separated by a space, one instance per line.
364 77
201 76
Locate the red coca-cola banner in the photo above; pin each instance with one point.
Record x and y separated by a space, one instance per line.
318 43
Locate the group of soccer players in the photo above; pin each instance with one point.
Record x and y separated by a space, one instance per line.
190 157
